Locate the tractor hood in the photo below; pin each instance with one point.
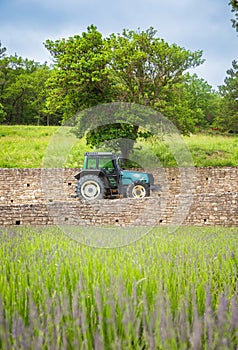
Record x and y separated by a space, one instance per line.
129 176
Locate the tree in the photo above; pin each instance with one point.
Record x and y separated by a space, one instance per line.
234 6
228 119
133 67
202 100
2 50
23 90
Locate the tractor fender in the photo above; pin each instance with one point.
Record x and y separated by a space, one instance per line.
95 172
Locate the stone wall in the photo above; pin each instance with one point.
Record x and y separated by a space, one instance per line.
189 196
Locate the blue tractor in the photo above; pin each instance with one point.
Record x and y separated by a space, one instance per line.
103 177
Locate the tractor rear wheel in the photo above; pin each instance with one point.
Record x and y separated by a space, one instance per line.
90 187
137 190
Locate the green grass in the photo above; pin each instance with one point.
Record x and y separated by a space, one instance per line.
166 291
23 146
206 150
26 146
213 150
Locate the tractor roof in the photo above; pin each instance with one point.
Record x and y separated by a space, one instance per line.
99 154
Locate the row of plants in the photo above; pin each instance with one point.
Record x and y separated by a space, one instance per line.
165 291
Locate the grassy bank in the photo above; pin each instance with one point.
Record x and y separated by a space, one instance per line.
166 291
25 147
216 150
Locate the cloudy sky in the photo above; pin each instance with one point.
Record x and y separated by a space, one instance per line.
195 25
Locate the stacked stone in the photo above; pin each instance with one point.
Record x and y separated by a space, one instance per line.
196 196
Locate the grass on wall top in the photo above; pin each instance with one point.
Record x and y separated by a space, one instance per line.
25 147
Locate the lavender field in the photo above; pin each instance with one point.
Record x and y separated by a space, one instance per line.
166 291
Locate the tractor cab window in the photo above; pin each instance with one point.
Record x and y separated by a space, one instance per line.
92 163
105 163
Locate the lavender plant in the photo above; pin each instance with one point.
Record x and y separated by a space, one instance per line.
166 291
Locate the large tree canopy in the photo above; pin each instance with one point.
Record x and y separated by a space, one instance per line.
130 67
135 67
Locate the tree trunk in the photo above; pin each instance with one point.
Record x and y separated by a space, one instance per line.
126 146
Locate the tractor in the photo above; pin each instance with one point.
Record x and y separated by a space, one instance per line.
103 177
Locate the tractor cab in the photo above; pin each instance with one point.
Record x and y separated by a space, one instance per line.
100 160
105 162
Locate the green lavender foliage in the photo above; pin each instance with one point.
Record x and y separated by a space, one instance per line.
166 291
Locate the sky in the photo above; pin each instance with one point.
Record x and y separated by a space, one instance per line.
195 25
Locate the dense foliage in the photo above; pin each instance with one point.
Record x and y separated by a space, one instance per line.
228 118
22 86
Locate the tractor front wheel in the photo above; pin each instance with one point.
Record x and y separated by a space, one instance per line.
90 187
137 190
